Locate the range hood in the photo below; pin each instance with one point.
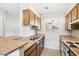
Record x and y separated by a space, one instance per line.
34 27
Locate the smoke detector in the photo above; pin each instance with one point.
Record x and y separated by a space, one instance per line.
46 7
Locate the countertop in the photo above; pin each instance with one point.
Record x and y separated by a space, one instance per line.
70 38
10 44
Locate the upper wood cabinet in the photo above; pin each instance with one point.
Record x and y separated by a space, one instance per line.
38 22
26 17
32 19
68 21
78 10
72 19
29 17
74 13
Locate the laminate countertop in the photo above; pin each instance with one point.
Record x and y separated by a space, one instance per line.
12 43
73 39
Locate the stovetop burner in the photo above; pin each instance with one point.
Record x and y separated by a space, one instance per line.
73 46
77 43
69 42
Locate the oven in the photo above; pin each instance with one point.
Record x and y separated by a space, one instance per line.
65 50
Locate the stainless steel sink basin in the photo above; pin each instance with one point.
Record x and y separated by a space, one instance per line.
35 37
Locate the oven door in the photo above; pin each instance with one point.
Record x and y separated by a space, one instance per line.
65 50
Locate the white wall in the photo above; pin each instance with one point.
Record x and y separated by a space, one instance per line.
12 26
26 30
52 37
1 28
2 21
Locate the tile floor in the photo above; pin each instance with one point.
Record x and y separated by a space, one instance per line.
50 52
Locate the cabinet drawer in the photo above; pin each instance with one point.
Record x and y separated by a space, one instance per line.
30 50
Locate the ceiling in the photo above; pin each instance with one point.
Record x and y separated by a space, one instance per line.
14 8
52 7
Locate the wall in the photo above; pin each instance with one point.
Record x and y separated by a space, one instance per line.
2 21
26 30
12 26
52 37
1 28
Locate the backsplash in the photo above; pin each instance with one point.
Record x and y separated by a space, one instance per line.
27 31
75 32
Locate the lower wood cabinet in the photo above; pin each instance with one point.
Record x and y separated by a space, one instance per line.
36 49
31 51
40 46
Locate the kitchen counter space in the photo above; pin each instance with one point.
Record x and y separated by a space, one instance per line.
27 46
12 43
70 38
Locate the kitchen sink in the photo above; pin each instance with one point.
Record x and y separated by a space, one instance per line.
34 38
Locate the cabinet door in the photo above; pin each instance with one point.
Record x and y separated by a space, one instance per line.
66 22
78 10
30 50
39 23
32 18
33 53
38 50
36 20
26 17
74 14
69 21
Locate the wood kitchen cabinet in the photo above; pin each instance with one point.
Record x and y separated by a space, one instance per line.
74 13
32 51
78 10
32 18
40 46
29 17
68 21
38 22
71 19
26 17
36 49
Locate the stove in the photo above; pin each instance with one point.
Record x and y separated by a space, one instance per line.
67 45
73 44
69 42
